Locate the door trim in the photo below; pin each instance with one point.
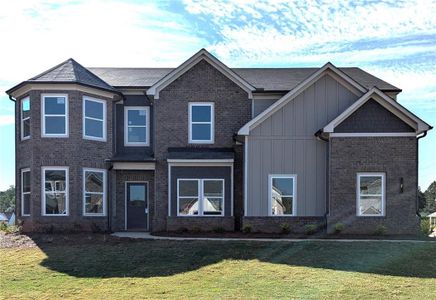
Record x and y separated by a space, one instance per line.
125 203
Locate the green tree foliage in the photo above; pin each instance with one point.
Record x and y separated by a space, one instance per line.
421 200
7 200
430 198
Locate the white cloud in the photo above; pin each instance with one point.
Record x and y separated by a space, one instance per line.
41 34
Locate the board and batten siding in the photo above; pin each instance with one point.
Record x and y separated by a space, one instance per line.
285 143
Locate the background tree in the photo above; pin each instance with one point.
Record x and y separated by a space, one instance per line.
7 200
430 198
422 202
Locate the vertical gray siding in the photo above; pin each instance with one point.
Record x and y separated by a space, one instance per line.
285 144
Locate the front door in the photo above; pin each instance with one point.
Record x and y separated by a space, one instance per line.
137 205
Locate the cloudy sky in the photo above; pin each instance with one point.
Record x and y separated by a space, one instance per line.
395 40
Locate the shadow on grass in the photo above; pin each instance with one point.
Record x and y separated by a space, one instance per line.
100 256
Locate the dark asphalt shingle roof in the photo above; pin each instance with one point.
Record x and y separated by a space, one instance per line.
200 153
270 79
69 71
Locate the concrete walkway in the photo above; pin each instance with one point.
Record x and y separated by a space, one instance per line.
148 236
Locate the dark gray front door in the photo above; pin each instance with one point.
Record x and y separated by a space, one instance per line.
137 205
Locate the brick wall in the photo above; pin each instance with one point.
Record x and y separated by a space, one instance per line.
202 83
74 152
396 157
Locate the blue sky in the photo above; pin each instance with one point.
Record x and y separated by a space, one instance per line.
395 40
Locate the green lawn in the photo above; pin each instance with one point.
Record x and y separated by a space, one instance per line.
121 269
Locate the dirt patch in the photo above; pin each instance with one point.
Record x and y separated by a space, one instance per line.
15 240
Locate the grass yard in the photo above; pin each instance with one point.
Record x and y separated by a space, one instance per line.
84 267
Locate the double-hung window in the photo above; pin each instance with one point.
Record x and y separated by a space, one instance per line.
94 192
25 118
370 194
55 191
282 195
94 119
201 123
54 115
136 126
200 197
25 192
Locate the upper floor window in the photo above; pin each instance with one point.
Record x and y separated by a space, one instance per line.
94 192
25 192
282 195
201 123
54 115
25 118
94 119
55 191
371 194
136 126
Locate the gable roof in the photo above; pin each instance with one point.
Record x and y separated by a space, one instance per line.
266 79
197 57
69 71
328 68
394 107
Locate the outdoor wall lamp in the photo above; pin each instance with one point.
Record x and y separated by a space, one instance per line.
401 185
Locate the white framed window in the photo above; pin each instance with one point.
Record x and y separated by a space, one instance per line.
25 118
200 197
94 192
136 126
55 191
201 123
282 194
25 192
54 110
371 194
94 119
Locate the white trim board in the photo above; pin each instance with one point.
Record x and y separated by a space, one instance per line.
134 165
328 69
388 103
203 54
373 134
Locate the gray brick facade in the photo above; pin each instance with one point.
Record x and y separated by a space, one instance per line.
202 83
73 152
396 157
326 170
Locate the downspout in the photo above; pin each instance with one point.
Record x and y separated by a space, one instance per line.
319 136
109 202
16 142
417 168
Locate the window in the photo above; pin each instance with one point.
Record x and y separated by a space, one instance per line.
55 191
25 192
55 116
94 192
201 123
136 126
370 194
282 195
94 119
25 118
200 197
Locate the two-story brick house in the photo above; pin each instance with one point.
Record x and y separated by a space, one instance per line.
204 146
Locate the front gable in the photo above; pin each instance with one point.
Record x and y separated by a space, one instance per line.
200 56
327 70
382 115
373 117
310 110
